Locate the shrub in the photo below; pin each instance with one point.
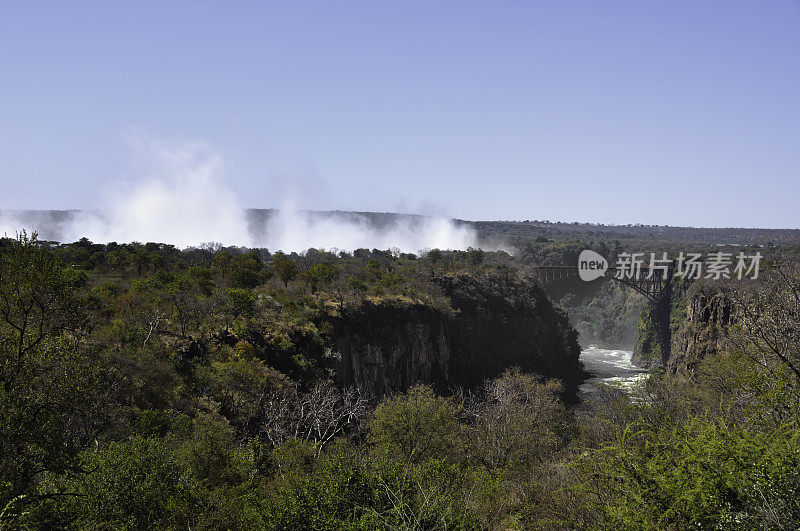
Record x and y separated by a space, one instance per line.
416 426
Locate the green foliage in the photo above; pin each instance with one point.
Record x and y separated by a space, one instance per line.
243 278
135 484
284 267
415 426
434 255
342 492
37 299
475 256
700 472
202 277
148 387
519 421
49 403
240 302
158 423
320 276
356 284
210 455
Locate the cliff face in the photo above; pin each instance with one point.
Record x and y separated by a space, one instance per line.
494 323
703 332
386 347
700 317
658 324
647 349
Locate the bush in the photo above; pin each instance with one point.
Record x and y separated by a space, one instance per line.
345 493
136 484
416 426
240 302
242 277
697 473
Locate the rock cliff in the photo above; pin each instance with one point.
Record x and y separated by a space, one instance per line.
494 322
699 319
703 331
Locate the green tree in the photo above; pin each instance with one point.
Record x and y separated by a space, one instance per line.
49 383
141 260
135 484
434 255
243 277
518 421
475 256
240 302
320 276
284 267
416 426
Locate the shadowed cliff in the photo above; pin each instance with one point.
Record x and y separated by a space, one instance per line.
495 322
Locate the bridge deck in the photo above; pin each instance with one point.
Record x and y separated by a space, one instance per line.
650 283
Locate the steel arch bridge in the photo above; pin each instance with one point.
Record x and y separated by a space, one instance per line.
653 286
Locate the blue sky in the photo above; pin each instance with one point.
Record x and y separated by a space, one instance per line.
680 113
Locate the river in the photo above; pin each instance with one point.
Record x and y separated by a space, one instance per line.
609 366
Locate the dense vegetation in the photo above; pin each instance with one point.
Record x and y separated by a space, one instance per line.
148 387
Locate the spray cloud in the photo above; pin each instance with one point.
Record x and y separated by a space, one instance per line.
183 200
